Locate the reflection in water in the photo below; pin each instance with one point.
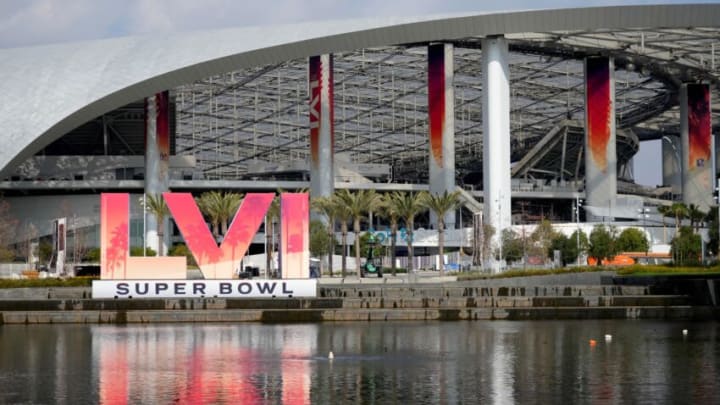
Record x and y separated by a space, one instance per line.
433 362
503 375
213 364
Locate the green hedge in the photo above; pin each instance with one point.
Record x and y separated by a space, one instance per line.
47 282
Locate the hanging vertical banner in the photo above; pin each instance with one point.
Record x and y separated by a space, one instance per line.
696 131
320 80
599 112
162 102
441 116
436 101
600 155
294 235
157 142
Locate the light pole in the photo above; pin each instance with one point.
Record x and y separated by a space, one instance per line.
144 235
644 214
578 204
500 233
718 197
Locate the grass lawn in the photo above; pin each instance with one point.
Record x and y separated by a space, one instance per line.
47 282
635 270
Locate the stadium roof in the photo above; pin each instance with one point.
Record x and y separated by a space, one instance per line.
241 93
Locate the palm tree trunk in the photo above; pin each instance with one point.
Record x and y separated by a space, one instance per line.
344 231
441 245
393 245
160 241
332 246
268 246
411 264
356 229
161 234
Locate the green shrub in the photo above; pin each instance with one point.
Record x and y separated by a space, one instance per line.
181 249
138 251
47 282
92 256
6 255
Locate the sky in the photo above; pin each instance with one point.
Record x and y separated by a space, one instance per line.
34 22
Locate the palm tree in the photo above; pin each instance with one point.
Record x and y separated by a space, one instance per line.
358 204
440 205
228 206
409 205
219 207
680 211
664 212
342 214
389 210
696 216
327 207
209 203
272 216
156 206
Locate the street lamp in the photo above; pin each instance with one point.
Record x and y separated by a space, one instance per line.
141 200
500 229
576 208
644 214
718 197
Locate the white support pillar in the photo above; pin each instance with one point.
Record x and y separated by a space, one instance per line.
600 148
320 77
672 163
496 136
695 133
441 115
157 156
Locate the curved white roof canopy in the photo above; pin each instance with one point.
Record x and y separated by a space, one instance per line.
49 90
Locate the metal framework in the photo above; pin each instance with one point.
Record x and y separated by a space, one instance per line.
235 121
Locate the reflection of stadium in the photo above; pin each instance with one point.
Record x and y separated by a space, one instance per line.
503 111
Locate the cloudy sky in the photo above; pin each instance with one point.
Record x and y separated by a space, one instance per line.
32 22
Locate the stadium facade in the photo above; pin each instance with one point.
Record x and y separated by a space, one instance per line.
528 112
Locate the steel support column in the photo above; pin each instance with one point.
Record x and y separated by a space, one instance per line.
496 136
157 156
672 163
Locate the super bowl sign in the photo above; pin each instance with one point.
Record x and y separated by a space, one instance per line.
124 276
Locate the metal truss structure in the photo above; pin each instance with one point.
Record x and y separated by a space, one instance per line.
241 120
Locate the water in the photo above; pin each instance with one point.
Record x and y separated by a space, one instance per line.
407 363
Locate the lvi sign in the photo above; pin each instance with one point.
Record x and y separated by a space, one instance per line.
124 276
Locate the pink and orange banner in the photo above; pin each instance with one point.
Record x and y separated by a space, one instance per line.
162 108
599 107
321 92
436 100
699 126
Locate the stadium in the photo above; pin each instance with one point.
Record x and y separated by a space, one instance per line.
530 115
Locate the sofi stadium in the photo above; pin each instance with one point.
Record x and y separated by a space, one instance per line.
532 114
